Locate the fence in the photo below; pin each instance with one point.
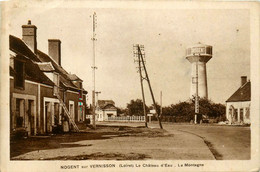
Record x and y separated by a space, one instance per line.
127 119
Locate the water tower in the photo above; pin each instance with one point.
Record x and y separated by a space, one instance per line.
198 55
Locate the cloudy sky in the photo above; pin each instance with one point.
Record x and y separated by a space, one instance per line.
165 35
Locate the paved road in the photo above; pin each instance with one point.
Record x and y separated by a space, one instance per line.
225 142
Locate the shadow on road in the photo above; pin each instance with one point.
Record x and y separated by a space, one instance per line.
22 146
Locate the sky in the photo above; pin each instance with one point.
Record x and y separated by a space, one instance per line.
165 35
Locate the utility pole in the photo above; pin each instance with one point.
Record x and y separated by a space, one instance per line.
97 92
149 84
141 80
197 95
161 103
93 71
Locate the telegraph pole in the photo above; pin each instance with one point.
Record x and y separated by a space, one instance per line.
97 92
93 71
141 81
161 103
149 84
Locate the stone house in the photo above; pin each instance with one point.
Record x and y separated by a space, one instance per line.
238 104
39 85
105 109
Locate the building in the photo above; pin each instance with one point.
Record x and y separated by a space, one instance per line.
39 87
105 109
198 55
238 105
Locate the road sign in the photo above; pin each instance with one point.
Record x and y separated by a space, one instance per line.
153 111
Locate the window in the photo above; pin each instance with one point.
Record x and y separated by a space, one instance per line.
19 74
235 114
80 111
247 115
241 114
208 50
109 114
56 81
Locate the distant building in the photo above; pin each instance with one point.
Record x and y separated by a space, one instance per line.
36 81
105 109
238 105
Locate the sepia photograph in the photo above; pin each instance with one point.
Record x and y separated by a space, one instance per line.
135 85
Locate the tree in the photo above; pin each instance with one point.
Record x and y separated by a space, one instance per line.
184 111
157 106
121 111
135 107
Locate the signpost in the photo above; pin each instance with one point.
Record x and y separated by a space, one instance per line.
150 117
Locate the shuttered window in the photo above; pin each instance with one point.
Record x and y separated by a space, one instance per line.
19 74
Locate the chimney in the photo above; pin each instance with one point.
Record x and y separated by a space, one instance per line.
55 50
243 80
29 35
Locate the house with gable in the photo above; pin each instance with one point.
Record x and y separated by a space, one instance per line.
238 104
105 109
41 90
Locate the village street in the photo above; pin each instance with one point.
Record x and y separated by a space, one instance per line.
118 142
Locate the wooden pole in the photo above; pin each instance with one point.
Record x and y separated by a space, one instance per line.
151 91
93 73
161 104
142 88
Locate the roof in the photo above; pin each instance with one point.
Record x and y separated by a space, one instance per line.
45 66
32 72
64 75
242 94
38 63
199 44
21 48
74 77
104 103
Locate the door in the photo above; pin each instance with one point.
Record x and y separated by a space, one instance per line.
48 117
31 116
71 110
56 113
19 113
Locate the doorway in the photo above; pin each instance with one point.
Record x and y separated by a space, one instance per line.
31 116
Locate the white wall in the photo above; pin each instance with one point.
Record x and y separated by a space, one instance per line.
238 106
102 115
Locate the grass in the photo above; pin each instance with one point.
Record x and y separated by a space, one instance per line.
103 156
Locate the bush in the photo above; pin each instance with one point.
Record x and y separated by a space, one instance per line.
184 111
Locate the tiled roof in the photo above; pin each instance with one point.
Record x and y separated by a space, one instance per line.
103 103
74 77
20 47
45 66
32 72
39 63
64 75
242 94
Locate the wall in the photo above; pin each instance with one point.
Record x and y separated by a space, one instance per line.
106 112
238 105
28 93
74 96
